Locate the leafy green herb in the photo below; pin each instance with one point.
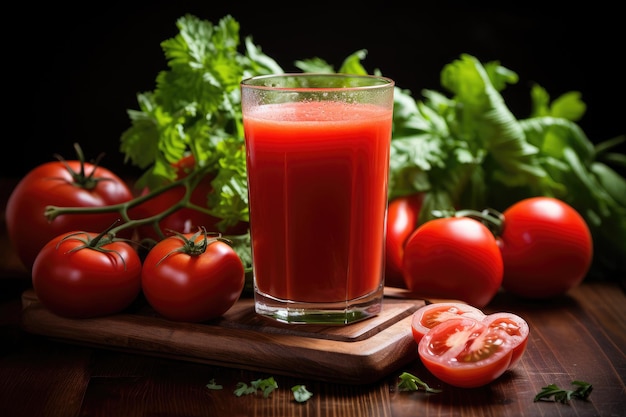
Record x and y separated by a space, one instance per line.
300 393
462 147
213 385
196 109
466 149
244 389
409 382
265 385
582 391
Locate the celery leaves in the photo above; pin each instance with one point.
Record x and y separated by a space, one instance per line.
462 147
467 149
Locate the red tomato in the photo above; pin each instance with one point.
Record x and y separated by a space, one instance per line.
453 258
192 278
72 279
465 352
431 315
546 247
185 220
402 220
53 184
515 327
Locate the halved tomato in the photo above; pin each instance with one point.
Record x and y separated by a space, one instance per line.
517 329
431 315
465 352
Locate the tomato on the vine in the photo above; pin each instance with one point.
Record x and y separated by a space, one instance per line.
468 352
66 184
75 277
402 220
192 277
184 220
546 247
453 258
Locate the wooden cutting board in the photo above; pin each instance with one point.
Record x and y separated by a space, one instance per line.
358 353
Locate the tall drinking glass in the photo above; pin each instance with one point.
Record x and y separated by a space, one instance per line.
317 163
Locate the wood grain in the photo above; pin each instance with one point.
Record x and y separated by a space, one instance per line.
359 353
571 338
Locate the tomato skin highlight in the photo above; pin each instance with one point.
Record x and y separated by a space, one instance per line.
86 283
51 184
427 317
546 247
402 220
465 352
192 288
453 258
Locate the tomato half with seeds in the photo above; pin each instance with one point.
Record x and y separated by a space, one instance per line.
515 327
465 352
431 315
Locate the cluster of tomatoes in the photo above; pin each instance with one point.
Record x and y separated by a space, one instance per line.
540 248
80 271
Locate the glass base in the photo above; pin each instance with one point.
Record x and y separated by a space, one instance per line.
339 313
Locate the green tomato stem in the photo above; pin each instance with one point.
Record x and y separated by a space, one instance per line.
190 182
492 219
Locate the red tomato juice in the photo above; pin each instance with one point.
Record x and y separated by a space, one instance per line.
317 177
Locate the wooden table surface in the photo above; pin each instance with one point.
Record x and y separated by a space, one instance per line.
581 336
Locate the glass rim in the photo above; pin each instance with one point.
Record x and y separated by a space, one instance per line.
251 82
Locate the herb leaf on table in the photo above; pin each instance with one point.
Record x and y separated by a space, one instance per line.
582 391
409 382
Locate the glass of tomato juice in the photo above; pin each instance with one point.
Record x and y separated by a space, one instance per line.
317 154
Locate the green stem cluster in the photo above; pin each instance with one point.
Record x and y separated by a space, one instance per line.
492 219
189 182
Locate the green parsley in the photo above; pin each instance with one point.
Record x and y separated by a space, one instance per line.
213 385
582 391
300 393
409 382
265 385
243 389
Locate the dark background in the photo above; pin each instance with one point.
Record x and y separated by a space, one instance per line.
75 70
